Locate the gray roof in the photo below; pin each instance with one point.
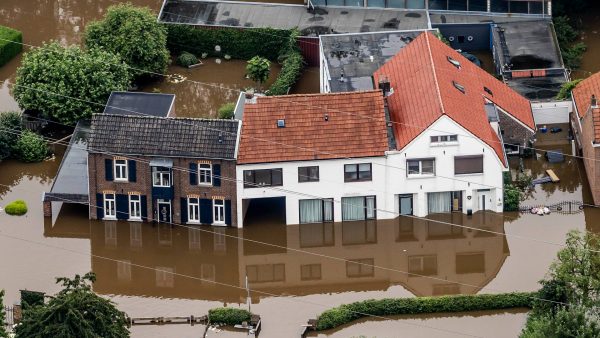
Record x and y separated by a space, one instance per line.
133 103
167 137
358 56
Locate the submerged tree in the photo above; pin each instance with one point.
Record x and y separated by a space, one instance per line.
76 311
3 333
258 70
10 129
134 34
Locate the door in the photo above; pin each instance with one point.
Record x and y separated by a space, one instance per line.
406 204
164 211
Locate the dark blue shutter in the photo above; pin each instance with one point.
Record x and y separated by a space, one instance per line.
108 169
206 216
184 215
144 206
228 212
132 171
99 206
194 173
122 202
216 175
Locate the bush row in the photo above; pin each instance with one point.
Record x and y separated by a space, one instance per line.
9 49
228 316
401 306
277 45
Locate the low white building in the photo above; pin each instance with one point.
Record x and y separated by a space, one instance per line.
429 141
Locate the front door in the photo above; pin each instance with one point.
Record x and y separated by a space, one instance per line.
163 208
482 202
406 204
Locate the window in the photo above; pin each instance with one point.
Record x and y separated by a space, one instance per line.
265 273
460 87
193 210
316 235
360 267
422 265
358 208
420 167
444 138
120 170
110 209
110 234
135 208
161 177
468 165
310 272
442 202
357 172
219 211
219 240
359 233
205 174
124 271
263 178
316 210
308 174
455 63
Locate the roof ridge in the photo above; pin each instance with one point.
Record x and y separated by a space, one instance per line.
279 97
167 118
435 79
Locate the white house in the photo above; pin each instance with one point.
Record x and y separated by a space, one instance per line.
431 140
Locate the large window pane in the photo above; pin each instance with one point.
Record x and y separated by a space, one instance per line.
353 208
415 4
439 202
427 167
311 211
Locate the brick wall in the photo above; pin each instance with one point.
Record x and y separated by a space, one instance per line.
143 184
514 132
590 153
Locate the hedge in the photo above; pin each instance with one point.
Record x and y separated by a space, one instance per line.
228 316
277 45
8 49
402 306
16 208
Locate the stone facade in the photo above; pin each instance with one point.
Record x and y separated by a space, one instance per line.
513 131
182 187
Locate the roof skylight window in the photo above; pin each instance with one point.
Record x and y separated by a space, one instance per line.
459 87
455 63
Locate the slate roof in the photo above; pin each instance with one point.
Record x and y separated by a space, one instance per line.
139 103
317 126
168 137
422 78
582 95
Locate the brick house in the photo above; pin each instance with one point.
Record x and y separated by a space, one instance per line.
180 170
585 121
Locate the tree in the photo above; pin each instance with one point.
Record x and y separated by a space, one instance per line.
258 70
31 147
134 34
10 129
566 89
76 311
227 110
3 333
68 84
575 322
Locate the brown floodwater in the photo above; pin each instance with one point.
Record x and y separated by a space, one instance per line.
590 22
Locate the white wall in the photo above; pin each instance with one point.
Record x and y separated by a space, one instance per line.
389 177
551 112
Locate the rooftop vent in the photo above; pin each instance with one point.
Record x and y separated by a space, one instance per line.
326 117
220 137
281 123
455 63
459 87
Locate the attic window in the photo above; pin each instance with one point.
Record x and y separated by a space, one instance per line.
487 90
455 63
459 87
281 123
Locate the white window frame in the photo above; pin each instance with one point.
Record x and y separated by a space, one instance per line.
159 174
216 206
204 173
120 170
110 204
443 140
139 207
195 205
420 173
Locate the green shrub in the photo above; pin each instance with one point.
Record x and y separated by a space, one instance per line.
400 306
566 34
10 129
31 298
16 208
31 147
3 333
566 89
228 316
512 197
186 59
258 70
9 49
227 110
290 71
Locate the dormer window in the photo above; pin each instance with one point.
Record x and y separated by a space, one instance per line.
454 62
459 87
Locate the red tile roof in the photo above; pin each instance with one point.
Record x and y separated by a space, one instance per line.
355 127
582 95
423 78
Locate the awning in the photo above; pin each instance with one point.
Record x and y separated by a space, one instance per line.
161 162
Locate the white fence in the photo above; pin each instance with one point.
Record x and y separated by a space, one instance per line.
551 112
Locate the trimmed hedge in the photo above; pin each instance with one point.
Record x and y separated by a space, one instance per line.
186 59
228 316
402 306
16 208
277 45
8 49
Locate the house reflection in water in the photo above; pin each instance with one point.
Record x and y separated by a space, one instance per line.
460 260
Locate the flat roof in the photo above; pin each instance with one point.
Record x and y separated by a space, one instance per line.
353 58
139 103
285 16
538 88
446 17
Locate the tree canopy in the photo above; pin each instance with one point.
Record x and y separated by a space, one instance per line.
67 83
134 34
75 312
10 129
258 69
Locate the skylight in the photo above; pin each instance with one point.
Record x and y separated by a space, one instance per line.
459 86
455 63
487 90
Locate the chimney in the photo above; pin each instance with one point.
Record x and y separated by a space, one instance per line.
385 86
